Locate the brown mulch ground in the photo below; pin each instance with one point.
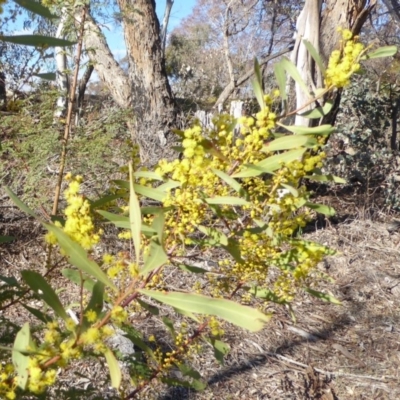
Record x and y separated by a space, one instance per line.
331 352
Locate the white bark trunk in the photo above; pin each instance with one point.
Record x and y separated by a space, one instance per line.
307 27
61 75
164 24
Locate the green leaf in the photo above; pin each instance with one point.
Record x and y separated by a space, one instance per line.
21 361
104 200
97 299
151 193
281 80
233 249
384 51
148 175
257 85
271 164
6 239
235 185
293 191
169 185
318 112
158 226
321 208
194 384
227 200
326 178
36 8
37 41
245 317
170 326
288 143
323 296
155 258
192 269
218 236
39 285
314 54
148 307
189 371
74 276
325 130
123 222
38 314
135 216
19 203
115 370
49 76
10 281
78 257
292 70
221 349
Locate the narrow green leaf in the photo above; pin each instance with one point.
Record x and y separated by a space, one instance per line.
227 200
39 285
314 54
155 258
192 269
36 8
233 249
74 276
155 210
10 281
318 112
321 208
325 130
257 84
6 239
19 203
78 257
104 200
245 317
221 349
218 236
323 296
326 178
235 185
384 51
38 314
281 80
293 191
115 370
37 41
158 226
288 143
48 76
135 215
97 299
148 307
189 371
271 164
151 193
148 175
170 326
169 185
292 70
21 361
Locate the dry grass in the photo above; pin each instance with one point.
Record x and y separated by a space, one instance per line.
342 352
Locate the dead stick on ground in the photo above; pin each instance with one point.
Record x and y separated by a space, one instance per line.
329 373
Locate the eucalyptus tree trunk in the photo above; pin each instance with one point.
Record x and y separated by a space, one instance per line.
319 26
61 65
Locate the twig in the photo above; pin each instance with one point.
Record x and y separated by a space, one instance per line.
330 373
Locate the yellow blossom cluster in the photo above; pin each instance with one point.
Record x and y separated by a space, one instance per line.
344 63
79 224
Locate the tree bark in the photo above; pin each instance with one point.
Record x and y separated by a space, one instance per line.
153 103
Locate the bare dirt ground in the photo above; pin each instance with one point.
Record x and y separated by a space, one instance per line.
351 351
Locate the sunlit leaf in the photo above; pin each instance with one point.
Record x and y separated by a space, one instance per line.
19 203
288 143
312 130
384 51
321 208
227 200
314 54
78 256
114 368
148 175
245 317
235 185
257 85
292 70
326 178
135 215
21 361
281 80
151 193
155 258
318 112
